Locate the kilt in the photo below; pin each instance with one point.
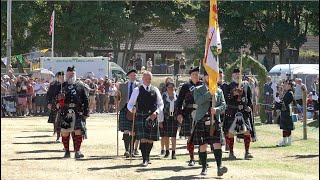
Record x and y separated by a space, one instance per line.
286 122
170 127
201 134
142 131
52 116
268 100
230 117
77 124
187 124
124 123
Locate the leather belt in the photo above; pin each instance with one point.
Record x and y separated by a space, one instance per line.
71 105
192 106
239 107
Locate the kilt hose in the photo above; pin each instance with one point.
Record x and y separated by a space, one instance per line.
170 127
142 131
201 133
187 122
230 118
124 123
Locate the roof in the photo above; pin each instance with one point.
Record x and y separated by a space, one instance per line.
164 40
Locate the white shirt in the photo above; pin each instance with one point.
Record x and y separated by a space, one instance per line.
38 87
135 95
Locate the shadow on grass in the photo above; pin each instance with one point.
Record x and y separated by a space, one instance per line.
38 131
46 142
93 158
189 177
113 167
305 156
169 168
314 124
42 136
266 147
39 151
47 158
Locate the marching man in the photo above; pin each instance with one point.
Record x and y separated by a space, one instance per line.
149 104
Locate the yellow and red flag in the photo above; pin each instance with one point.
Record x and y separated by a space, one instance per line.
213 48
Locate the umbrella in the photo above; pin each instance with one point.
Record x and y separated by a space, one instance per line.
41 73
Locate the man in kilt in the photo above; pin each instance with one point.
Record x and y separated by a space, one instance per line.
52 100
268 99
237 114
149 104
286 122
168 120
125 125
74 112
186 108
201 134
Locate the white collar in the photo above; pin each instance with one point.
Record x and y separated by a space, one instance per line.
145 87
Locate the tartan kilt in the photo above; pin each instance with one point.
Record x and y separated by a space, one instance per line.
187 122
77 125
170 127
268 100
52 116
230 117
201 134
142 131
124 123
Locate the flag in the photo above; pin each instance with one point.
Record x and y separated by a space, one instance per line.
4 60
44 50
213 48
19 57
51 23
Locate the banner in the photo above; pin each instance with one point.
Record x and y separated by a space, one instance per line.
4 60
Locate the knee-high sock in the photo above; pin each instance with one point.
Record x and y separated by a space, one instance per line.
65 142
227 139
231 143
203 159
143 151
288 133
284 133
78 141
126 140
218 156
190 148
149 147
247 140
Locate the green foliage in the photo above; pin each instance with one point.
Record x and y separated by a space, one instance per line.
260 71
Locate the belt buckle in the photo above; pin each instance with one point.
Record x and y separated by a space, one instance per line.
240 107
171 113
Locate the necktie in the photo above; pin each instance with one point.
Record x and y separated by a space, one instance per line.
147 88
130 90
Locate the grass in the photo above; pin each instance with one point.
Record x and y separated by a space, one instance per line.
33 152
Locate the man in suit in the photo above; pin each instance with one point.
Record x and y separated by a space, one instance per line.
205 112
124 93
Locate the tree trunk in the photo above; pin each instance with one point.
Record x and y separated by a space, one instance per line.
125 52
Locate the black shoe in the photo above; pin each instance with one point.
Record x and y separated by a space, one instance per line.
248 156
191 163
78 155
163 152
222 170
232 156
204 172
173 156
167 154
67 154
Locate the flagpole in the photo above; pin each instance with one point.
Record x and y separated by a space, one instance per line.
52 34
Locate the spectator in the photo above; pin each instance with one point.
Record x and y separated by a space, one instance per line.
40 90
107 96
182 64
30 95
92 95
101 96
138 63
298 92
112 93
22 96
11 75
149 65
176 67
110 57
268 99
